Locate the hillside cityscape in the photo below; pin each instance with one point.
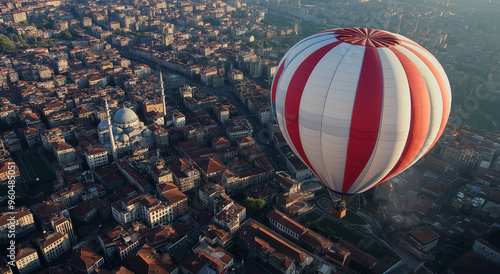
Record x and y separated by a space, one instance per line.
138 136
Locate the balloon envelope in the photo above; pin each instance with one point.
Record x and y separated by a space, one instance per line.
359 106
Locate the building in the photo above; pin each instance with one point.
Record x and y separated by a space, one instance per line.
358 256
152 105
64 226
221 112
64 153
272 248
19 16
47 210
123 240
27 260
215 235
185 91
49 136
147 260
133 176
8 171
143 208
419 241
171 194
160 173
96 156
31 135
60 118
68 195
162 236
24 223
230 216
486 250
285 224
312 241
85 259
185 176
53 245
238 127
161 136
86 211
210 167
207 259
207 193
178 118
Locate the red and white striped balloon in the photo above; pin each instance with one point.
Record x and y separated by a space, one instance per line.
359 106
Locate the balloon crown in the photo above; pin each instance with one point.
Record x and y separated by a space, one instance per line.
367 37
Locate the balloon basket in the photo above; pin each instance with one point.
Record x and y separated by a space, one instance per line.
339 213
339 208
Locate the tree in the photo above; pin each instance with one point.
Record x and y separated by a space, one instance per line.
253 205
6 44
66 35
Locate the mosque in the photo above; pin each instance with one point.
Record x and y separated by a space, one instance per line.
125 132
128 132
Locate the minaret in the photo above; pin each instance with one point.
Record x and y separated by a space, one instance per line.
110 129
163 96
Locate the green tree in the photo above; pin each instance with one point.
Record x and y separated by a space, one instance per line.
253 205
6 44
66 35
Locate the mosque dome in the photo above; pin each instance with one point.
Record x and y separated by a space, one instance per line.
125 118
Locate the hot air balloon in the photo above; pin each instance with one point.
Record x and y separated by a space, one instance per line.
359 106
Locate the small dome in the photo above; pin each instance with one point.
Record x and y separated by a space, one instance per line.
103 125
125 116
125 138
147 132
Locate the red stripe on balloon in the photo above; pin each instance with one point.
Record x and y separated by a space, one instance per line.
366 116
294 96
442 88
276 80
420 114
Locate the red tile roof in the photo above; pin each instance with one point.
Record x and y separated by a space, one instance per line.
84 258
123 270
24 252
50 239
286 222
174 196
424 235
276 242
357 254
148 261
